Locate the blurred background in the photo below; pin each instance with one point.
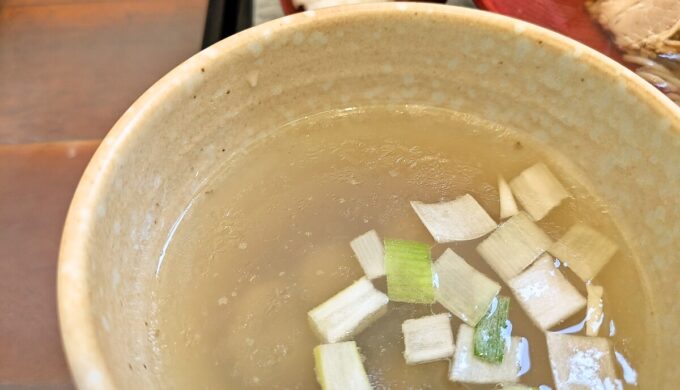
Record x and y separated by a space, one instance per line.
69 69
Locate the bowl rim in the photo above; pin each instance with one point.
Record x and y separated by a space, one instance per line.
77 324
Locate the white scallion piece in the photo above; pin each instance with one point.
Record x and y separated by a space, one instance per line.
469 369
581 362
507 201
584 250
368 249
545 294
348 312
538 190
458 220
464 291
514 246
427 339
594 311
339 367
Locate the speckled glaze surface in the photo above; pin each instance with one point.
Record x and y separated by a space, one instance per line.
615 127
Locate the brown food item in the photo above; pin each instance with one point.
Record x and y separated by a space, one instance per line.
640 25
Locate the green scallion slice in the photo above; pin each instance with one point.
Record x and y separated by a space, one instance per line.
491 332
409 271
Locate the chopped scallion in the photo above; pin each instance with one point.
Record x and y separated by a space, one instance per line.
594 311
458 220
427 339
514 246
545 294
491 332
507 201
409 271
585 251
339 367
538 190
348 312
466 367
464 291
368 248
581 362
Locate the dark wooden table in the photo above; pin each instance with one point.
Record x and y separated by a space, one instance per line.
68 70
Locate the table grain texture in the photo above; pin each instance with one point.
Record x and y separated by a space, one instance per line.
68 70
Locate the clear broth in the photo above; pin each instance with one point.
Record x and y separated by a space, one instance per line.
268 239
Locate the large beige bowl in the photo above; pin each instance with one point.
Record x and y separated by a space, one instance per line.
624 134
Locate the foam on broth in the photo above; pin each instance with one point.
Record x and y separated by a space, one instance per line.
268 239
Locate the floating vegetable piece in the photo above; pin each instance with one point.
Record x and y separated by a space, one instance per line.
348 312
594 311
469 369
584 250
427 339
507 201
581 362
514 246
545 294
409 271
464 291
538 190
458 220
339 367
369 250
492 332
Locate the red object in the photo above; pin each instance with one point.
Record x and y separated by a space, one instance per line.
568 17
288 7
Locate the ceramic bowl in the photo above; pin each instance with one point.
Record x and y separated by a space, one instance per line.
619 130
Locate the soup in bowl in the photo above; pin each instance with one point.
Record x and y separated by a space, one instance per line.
380 196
